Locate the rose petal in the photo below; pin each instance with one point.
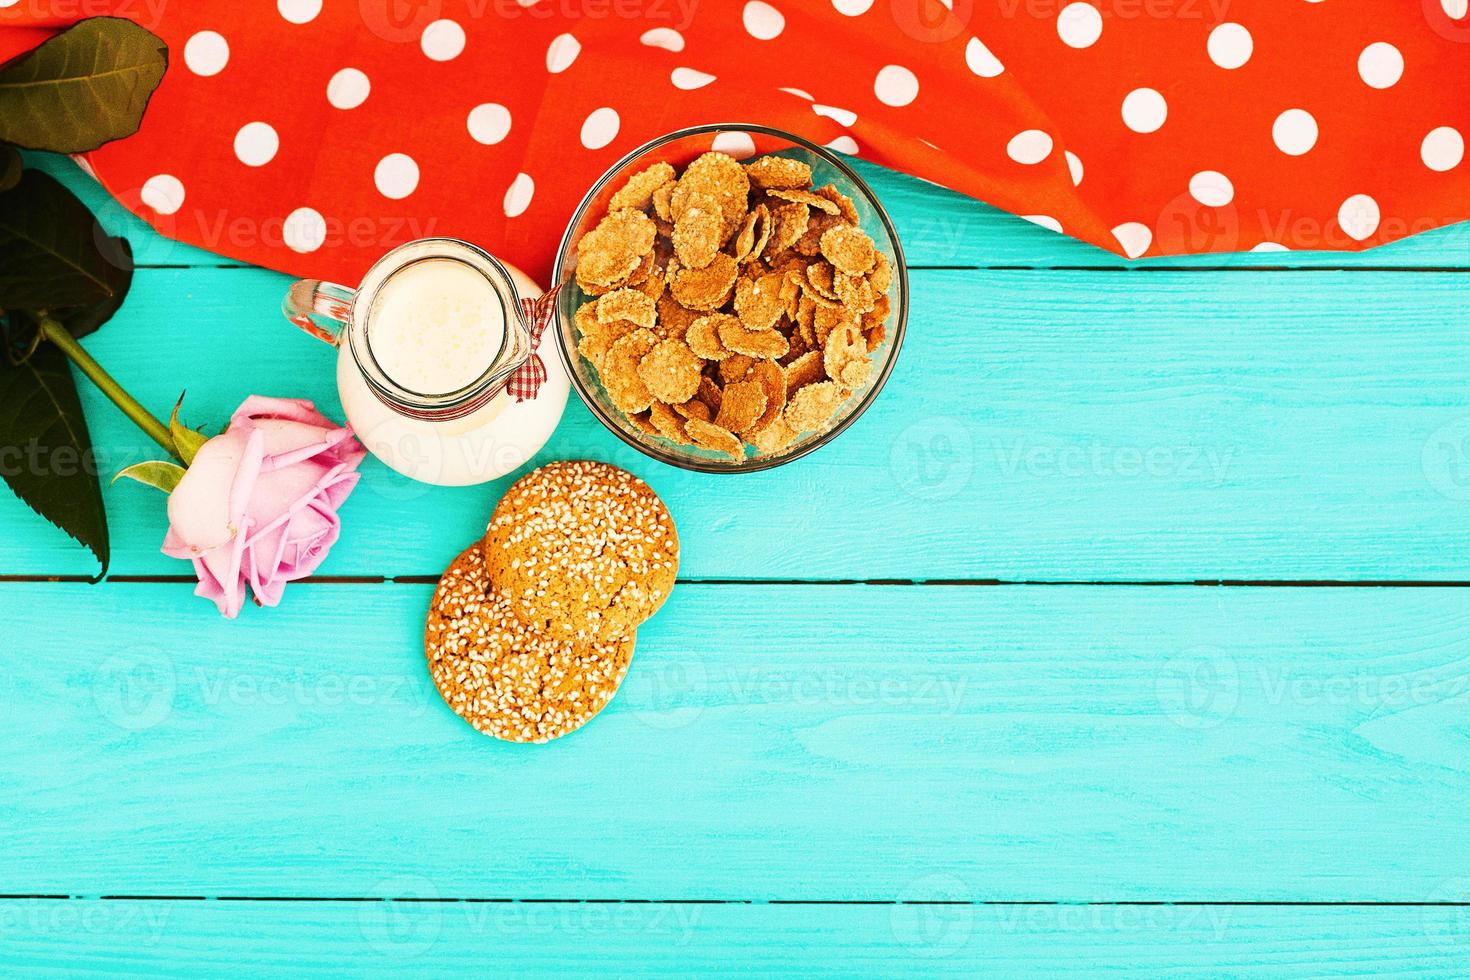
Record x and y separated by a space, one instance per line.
280 493
199 513
293 409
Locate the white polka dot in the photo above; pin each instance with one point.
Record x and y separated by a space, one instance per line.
842 117
734 142
762 21
1079 25
896 86
800 93
1270 247
1380 65
1211 188
561 52
8 3
396 176
1029 146
1074 166
163 193
206 53
1134 237
1455 9
980 61
305 230
600 128
1144 110
348 89
1044 220
1230 45
1294 132
443 40
518 195
688 79
663 37
1358 217
256 144
852 8
1442 149
844 144
489 123
299 11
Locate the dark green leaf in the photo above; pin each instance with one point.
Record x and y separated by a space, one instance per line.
10 167
84 87
159 473
54 256
46 451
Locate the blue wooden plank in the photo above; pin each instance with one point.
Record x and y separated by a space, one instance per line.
937 227
391 938
771 742
1040 425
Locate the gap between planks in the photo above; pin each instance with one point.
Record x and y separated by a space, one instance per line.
1004 903
1237 583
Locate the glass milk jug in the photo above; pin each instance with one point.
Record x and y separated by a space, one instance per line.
440 351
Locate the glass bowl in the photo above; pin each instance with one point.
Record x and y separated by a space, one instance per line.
741 141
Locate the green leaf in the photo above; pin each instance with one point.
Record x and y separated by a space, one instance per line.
54 256
158 473
10 167
46 451
186 440
84 87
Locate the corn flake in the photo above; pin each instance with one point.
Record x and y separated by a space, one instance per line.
742 403
739 338
849 249
806 197
778 172
708 288
627 304
637 193
671 371
620 371
697 232
759 302
812 406
712 436
703 337
614 249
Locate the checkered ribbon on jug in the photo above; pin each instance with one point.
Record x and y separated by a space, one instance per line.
527 380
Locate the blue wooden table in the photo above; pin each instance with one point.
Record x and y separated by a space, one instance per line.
1126 631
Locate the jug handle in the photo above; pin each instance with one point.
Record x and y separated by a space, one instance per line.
321 308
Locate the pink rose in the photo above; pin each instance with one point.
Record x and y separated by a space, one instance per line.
258 504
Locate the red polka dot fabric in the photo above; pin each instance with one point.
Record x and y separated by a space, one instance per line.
313 135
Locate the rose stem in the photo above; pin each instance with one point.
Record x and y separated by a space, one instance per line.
52 330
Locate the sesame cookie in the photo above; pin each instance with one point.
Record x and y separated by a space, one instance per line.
501 677
585 550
